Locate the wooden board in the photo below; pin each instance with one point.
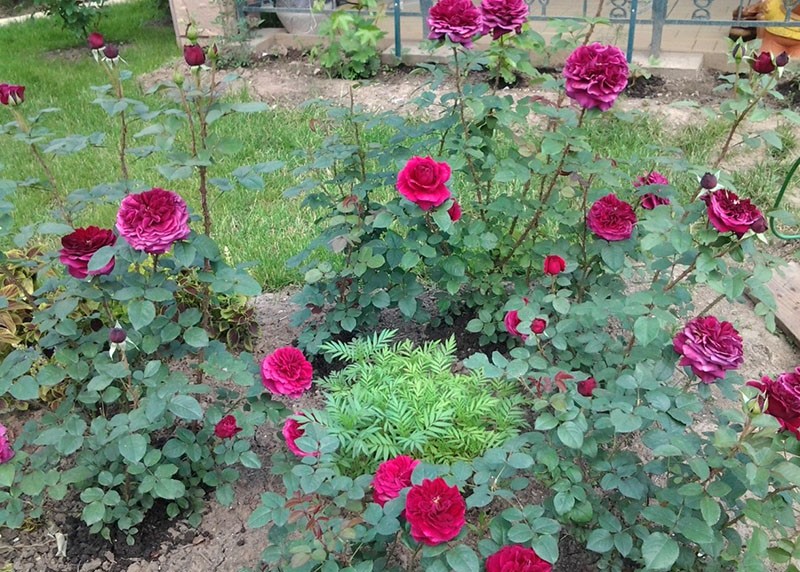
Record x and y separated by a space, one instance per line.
786 290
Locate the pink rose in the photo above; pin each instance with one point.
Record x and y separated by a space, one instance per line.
502 17
554 265
6 452
512 322
516 558
95 41
392 477
457 20
709 347
292 431
729 213
611 218
286 371
649 201
227 427
538 326
782 397
153 220
78 247
422 181
435 511
455 212
587 387
596 75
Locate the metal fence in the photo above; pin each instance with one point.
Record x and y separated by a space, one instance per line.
636 15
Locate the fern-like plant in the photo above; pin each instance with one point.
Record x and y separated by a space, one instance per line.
395 399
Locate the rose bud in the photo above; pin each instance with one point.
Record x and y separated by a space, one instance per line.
95 41
11 94
763 64
454 212
738 51
708 182
111 52
759 225
213 53
782 59
194 55
178 78
554 265
587 387
117 335
538 326
191 33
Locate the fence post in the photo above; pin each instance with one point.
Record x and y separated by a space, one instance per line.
424 7
631 29
398 42
659 16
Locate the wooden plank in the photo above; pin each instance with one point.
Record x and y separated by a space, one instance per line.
786 290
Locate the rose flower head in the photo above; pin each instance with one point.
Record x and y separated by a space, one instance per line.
649 201
226 428
516 558
763 64
457 20
727 212
422 181
709 347
292 431
286 371
95 41
12 94
554 265
6 451
455 212
435 511
502 17
611 218
194 55
587 387
111 53
153 220
595 75
782 59
78 247
392 477
708 181
782 398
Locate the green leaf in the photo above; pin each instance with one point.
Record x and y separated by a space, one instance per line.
94 512
186 407
100 258
169 489
7 471
625 422
570 434
659 551
614 257
695 530
141 313
463 558
250 460
646 329
710 510
789 471
25 388
133 447
196 337
600 540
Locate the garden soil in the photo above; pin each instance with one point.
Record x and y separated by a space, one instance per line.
222 542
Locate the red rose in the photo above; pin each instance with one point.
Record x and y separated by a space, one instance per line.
435 511
763 64
457 20
611 218
286 371
729 213
709 347
12 94
95 41
538 326
79 246
587 387
554 265
649 201
454 211
782 397
153 220
292 431
502 17
595 75
194 55
227 427
516 558
392 477
422 181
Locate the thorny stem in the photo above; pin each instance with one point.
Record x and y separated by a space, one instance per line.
357 136
116 82
465 127
711 304
689 269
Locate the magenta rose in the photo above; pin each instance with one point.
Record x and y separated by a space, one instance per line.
227 427
95 41
6 452
709 347
435 511
455 212
554 265
457 20
729 213
782 397
286 371
595 75
153 220
587 387
502 17
649 201
422 181
611 218
12 94
292 431
516 558
392 477
78 247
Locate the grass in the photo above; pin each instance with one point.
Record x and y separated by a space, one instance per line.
259 226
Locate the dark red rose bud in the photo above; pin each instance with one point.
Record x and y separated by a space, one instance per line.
227 427
763 64
111 52
95 41
96 324
117 335
782 59
11 94
759 226
708 181
538 326
587 387
194 55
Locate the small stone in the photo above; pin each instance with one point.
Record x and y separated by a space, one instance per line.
92 565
